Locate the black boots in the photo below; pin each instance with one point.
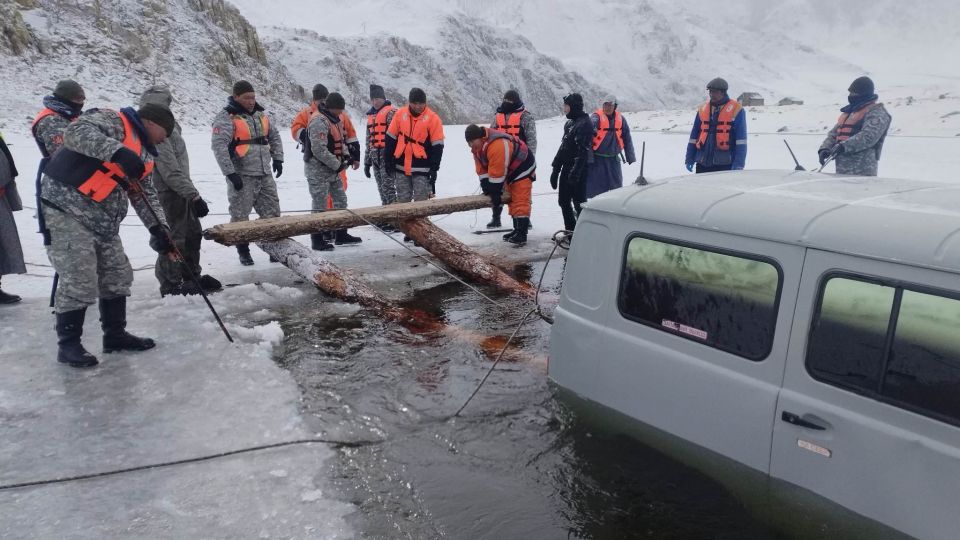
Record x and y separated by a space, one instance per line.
113 320
509 235
319 243
495 220
69 330
210 283
244 251
519 235
343 237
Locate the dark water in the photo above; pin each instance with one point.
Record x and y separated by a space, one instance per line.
518 463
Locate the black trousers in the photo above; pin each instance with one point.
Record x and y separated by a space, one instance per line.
570 197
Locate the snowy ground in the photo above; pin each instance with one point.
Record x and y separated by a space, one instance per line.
195 394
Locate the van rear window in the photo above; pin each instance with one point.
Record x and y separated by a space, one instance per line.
722 299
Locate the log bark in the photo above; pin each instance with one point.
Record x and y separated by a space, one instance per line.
243 232
461 258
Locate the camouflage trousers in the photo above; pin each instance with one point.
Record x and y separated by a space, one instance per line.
385 176
412 188
187 235
323 185
90 266
259 193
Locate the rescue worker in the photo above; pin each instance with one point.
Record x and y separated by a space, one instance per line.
106 159
182 206
378 119
327 155
245 143
718 141
59 111
505 163
414 148
610 143
572 160
857 139
513 118
11 252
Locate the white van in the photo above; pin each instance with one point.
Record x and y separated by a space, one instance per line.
802 324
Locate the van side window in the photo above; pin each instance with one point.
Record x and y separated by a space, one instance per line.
724 300
889 342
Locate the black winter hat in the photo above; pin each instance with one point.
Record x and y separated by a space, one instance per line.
574 100
718 84
320 92
862 86
335 102
512 96
69 90
473 132
158 114
417 96
242 87
376 91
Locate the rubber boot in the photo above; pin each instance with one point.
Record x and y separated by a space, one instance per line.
210 283
113 320
319 243
244 251
69 330
6 298
509 235
495 220
520 236
343 237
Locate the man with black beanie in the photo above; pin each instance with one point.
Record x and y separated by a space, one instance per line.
513 118
247 147
573 156
857 139
106 159
414 147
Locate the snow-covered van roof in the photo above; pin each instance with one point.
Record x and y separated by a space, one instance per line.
908 221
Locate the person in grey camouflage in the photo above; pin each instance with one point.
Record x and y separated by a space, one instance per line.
857 139
59 110
11 252
513 118
182 206
378 119
106 159
326 154
246 144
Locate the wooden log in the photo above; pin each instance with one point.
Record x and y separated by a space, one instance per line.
461 258
243 232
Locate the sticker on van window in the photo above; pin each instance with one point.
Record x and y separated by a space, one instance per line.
684 329
815 448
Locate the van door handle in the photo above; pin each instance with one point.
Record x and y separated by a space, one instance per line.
794 419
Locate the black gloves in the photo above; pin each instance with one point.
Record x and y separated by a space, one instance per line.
495 191
200 207
277 167
555 177
130 162
160 239
826 153
235 179
366 170
485 186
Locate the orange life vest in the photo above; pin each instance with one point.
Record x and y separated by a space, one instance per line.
377 126
520 162
241 134
849 124
301 120
728 113
412 135
103 176
335 142
604 127
509 123
33 128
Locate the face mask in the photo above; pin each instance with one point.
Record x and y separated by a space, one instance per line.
853 100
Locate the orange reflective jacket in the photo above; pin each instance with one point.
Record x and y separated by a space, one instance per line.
377 127
301 120
849 124
503 157
509 123
728 113
604 126
99 184
242 138
412 133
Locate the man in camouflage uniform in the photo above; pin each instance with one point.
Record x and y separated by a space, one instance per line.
327 154
59 111
182 206
245 143
106 159
378 119
857 139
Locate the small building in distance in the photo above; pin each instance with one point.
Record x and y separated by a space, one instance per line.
790 101
748 99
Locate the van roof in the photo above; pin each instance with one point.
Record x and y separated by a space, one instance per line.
910 221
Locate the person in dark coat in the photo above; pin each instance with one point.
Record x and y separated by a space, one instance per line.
611 142
11 253
718 140
573 157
